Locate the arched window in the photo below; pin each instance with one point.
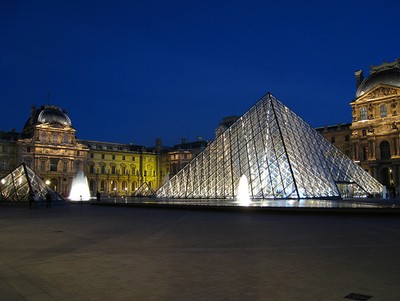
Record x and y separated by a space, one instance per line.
124 186
385 150
92 185
383 110
363 113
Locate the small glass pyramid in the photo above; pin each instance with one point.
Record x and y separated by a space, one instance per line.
17 184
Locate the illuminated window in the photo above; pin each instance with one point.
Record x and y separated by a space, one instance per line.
363 113
383 110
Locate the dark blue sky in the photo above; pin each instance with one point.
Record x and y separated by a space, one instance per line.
133 71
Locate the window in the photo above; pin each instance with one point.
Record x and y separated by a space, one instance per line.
385 150
123 158
363 113
53 164
3 165
65 166
113 157
103 169
102 156
133 158
364 133
91 155
383 110
42 165
333 139
28 149
123 170
43 137
54 138
364 153
347 138
91 168
65 138
113 169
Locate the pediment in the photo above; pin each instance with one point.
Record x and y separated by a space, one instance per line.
380 91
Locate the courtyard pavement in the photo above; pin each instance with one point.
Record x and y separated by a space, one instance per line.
74 252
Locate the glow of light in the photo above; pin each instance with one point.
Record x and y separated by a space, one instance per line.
47 182
80 188
3 181
243 196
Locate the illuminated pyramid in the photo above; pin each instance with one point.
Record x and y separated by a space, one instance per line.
16 185
281 156
144 190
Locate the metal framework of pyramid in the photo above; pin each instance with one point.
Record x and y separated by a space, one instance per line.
144 190
17 184
281 156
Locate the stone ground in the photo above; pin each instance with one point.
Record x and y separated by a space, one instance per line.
73 252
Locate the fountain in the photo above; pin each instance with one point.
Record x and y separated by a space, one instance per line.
80 188
243 196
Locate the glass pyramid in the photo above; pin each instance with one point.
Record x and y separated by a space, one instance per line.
281 156
16 185
144 190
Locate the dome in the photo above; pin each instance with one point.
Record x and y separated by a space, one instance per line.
53 115
389 77
46 114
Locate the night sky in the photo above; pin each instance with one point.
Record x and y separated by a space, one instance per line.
134 71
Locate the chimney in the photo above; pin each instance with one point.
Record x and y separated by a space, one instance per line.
359 77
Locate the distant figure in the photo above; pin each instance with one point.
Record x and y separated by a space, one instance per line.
48 200
98 195
30 199
36 199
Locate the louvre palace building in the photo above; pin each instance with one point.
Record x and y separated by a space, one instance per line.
48 144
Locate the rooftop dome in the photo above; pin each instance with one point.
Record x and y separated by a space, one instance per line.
51 114
385 74
46 114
